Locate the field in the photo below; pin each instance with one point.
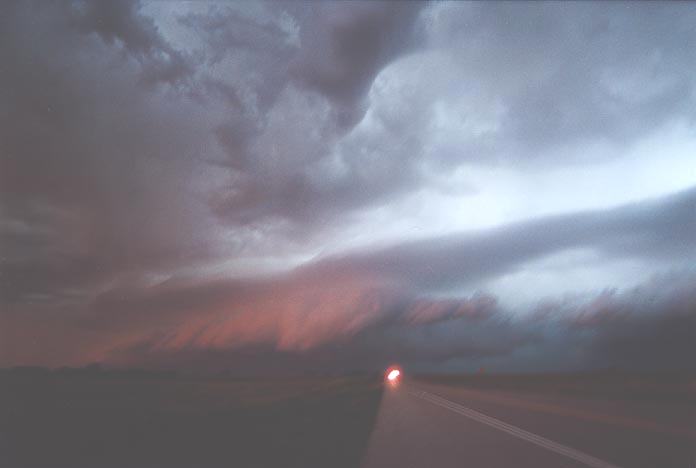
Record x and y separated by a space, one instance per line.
658 386
132 421
104 419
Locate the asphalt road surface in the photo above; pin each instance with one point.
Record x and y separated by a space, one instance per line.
422 424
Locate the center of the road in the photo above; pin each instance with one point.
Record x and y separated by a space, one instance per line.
569 452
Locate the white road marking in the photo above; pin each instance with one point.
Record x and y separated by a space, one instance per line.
569 452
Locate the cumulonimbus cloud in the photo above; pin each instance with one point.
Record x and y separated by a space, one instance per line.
164 198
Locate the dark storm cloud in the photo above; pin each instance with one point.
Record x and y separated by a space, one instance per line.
372 304
318 82
566 73
651 327
555 75
346 45
334 50
121 22
657 229
133 158
260 44
92 175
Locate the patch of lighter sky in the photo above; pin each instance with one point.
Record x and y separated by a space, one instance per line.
493 196
582 272
481 192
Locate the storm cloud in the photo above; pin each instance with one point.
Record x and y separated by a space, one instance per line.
262 186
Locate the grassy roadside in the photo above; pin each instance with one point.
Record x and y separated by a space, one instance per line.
677 387
53 420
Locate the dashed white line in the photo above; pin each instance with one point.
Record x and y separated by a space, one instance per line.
569 452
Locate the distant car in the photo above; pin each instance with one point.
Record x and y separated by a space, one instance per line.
393 375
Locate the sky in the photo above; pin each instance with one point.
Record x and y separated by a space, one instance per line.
330 187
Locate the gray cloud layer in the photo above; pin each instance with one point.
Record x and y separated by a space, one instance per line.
158 160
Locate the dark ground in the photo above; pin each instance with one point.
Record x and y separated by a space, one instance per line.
137 421
92 418
673 387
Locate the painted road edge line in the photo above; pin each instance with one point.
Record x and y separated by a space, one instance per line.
548 444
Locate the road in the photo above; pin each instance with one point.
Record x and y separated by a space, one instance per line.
422 424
